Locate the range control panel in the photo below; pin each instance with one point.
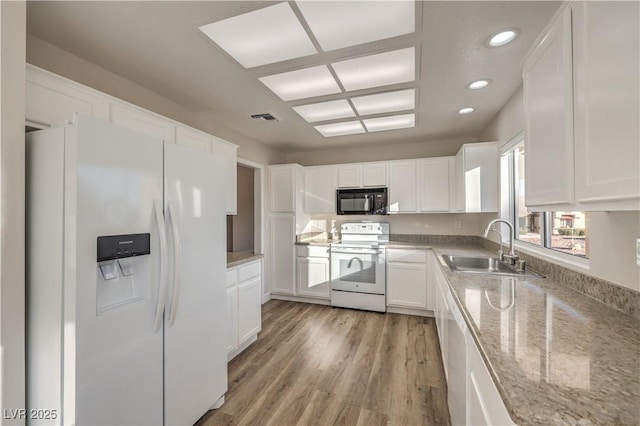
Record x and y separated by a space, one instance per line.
113 247
365 228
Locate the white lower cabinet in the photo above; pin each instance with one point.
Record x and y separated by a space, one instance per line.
244 297
232 317
473 398
312 271
407 278
484 404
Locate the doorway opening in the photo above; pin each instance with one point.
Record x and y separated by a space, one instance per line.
244 229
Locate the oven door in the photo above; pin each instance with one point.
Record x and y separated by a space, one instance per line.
360 270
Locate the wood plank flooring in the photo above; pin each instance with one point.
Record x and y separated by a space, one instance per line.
317 365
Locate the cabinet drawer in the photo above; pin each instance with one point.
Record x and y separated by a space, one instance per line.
249 271
232 277
312 251
402 255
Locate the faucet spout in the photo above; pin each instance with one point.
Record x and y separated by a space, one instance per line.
511 256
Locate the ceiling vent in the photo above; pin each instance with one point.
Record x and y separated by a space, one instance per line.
264 117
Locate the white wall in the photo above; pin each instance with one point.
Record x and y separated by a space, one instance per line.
391 151
612 235
52 58
12 211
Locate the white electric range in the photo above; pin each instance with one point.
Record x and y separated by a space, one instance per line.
358 267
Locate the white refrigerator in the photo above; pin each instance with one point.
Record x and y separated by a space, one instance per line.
126 261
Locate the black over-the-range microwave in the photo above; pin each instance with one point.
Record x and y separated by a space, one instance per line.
362 201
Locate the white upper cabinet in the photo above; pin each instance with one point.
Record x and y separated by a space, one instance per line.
193 138
403 194
476 178
435 177
548 93
142 121
320 189
350 175
360 175
606 66
228 151
52 100
374 174
581 108
286 182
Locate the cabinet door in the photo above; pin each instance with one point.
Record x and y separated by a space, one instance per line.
282 255
193 138
350 176
313 277
142 121
51 100
548 104
320 189
402 187
281 181
484 404
232 319
431 280
228 151
433 184
442 315
459 183
374 174
407 284
606 49
249 308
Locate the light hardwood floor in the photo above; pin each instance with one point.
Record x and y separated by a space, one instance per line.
317 365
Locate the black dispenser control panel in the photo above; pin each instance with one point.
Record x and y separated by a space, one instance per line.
113 247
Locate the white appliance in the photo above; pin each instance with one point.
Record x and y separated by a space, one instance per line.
126 269
358 267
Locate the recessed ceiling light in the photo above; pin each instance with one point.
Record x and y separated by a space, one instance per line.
264 36
464 111
478 84
393 122
503 37
325 110
400 100
304 83
341 24
397 66
340 129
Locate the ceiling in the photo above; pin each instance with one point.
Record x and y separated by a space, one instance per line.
158 46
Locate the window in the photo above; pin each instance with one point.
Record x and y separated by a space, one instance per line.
566 232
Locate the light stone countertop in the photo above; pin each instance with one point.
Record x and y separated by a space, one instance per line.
556 356
239 258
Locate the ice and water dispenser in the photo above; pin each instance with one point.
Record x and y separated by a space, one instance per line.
124 270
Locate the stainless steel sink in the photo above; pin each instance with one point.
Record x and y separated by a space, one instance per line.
486 265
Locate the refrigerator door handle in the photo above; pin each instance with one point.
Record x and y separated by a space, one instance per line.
162 286
177 264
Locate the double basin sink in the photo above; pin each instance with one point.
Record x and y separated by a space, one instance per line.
486 265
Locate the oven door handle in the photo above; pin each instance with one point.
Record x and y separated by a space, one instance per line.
355 251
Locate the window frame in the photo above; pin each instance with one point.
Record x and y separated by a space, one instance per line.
543 250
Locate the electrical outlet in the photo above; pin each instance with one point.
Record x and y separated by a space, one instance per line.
638 251
457 224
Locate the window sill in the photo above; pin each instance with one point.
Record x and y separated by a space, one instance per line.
566 260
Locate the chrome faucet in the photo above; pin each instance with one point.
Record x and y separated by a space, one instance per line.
511 258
